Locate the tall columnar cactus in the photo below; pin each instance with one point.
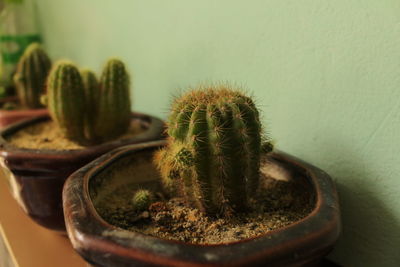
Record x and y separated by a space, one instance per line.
66 100
213 154
114 100
92 94
31 74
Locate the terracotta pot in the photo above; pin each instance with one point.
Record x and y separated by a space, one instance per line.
36 177
8 117
302 243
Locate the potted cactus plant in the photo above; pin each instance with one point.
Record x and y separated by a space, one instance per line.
214 149
87 118
29 81
213 194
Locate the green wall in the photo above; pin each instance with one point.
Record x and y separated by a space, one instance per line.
326 75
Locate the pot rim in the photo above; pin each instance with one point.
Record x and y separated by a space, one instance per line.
13 98
16 112
7 150
323 223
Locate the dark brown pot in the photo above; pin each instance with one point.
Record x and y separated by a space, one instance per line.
8 117
36 177
303 243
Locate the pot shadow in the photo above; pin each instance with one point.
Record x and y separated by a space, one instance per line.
370 232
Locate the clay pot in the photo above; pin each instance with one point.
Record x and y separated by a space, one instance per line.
304 242
36 177
8 117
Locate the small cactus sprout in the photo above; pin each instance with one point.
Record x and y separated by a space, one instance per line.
172 163
213 155
30 76
92 91
142 199
114 101
66 100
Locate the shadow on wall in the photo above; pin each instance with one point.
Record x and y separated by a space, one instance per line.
370 234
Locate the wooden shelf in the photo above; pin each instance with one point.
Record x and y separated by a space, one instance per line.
23 243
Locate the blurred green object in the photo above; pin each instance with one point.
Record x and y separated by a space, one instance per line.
18 29
9 106
21 41
30 76
2 91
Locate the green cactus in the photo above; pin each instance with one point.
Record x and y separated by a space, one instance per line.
142 199
92 93
213 153
114 101
89 112
66 100
31 74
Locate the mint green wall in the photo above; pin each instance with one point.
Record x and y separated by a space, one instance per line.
326 75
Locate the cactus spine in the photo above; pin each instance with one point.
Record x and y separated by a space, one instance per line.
31 74
114 100
66 100
213 154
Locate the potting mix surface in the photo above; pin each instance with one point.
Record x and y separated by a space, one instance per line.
279 204
46 135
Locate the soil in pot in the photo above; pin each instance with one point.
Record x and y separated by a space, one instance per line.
47 136
284 199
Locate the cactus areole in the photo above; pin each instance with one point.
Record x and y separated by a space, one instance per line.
213 154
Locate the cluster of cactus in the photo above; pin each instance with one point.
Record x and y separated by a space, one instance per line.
87 111
213 154
30 76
